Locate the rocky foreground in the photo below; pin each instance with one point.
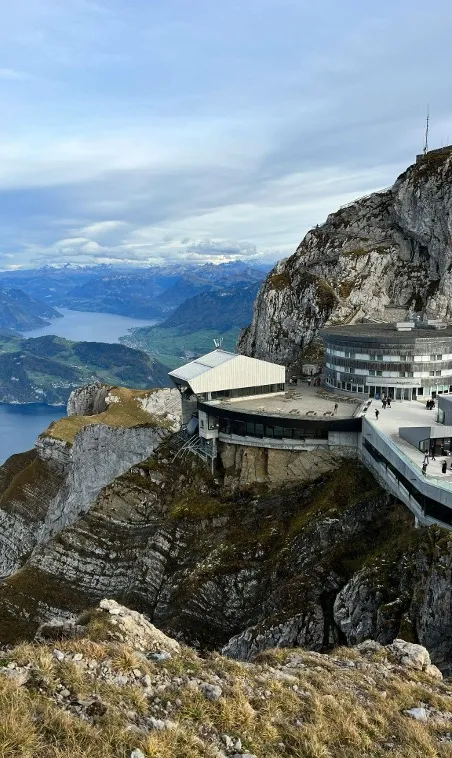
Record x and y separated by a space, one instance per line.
110 684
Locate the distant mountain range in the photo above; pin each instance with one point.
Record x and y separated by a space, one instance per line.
196 304
192 327
46 369
151 292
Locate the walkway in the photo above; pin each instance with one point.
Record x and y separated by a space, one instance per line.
411 413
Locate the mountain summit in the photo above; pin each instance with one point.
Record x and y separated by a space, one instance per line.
382 256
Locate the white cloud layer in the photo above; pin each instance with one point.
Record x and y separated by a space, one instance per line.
147 131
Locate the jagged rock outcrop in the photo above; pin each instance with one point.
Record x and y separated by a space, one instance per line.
74 459
88 400
381 256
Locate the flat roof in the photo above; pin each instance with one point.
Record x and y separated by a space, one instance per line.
381 331
202 364
412 413
302 402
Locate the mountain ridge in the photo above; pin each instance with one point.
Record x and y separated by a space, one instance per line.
389 251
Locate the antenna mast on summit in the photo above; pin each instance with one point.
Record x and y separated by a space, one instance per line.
426 132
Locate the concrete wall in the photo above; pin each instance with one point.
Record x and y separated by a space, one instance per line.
435 489
445 404
415 434
189 407
344 443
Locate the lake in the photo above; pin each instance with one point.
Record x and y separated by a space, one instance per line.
21 424
90 327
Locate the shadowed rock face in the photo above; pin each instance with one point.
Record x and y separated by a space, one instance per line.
380 256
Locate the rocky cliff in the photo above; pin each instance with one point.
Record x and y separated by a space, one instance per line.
380 257
45 491
314 561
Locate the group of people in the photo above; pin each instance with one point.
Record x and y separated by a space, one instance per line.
430 404
385 403
432 456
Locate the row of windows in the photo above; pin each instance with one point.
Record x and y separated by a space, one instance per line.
250 429
429 506
389 357
393 374
243 392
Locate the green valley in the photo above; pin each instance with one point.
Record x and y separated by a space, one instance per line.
173 347
46 369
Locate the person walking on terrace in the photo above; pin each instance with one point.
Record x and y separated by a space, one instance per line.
377 413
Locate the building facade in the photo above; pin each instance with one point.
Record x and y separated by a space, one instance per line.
402 361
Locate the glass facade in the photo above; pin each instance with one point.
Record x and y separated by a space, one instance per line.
273 431
376 360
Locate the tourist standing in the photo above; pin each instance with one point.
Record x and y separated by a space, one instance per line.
424 468
377 413
444 467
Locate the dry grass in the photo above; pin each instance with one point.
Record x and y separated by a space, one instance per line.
287 703
125 413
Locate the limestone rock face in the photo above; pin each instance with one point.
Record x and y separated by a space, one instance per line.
381 256
245 465
133 629
242 565
58 484
88 400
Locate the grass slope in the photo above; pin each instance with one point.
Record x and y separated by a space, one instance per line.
101 698
171 346
125 412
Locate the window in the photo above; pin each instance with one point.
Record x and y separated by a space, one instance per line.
437 373
379 373
431 373
436 357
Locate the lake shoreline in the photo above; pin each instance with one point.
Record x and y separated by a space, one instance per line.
22 422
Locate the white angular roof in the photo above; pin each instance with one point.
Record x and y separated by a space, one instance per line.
202 364
221 370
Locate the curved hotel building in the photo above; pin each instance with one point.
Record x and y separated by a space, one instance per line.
403 361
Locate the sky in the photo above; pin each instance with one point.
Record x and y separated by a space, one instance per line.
138 131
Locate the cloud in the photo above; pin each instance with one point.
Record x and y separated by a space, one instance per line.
102 228
13 75
206 131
